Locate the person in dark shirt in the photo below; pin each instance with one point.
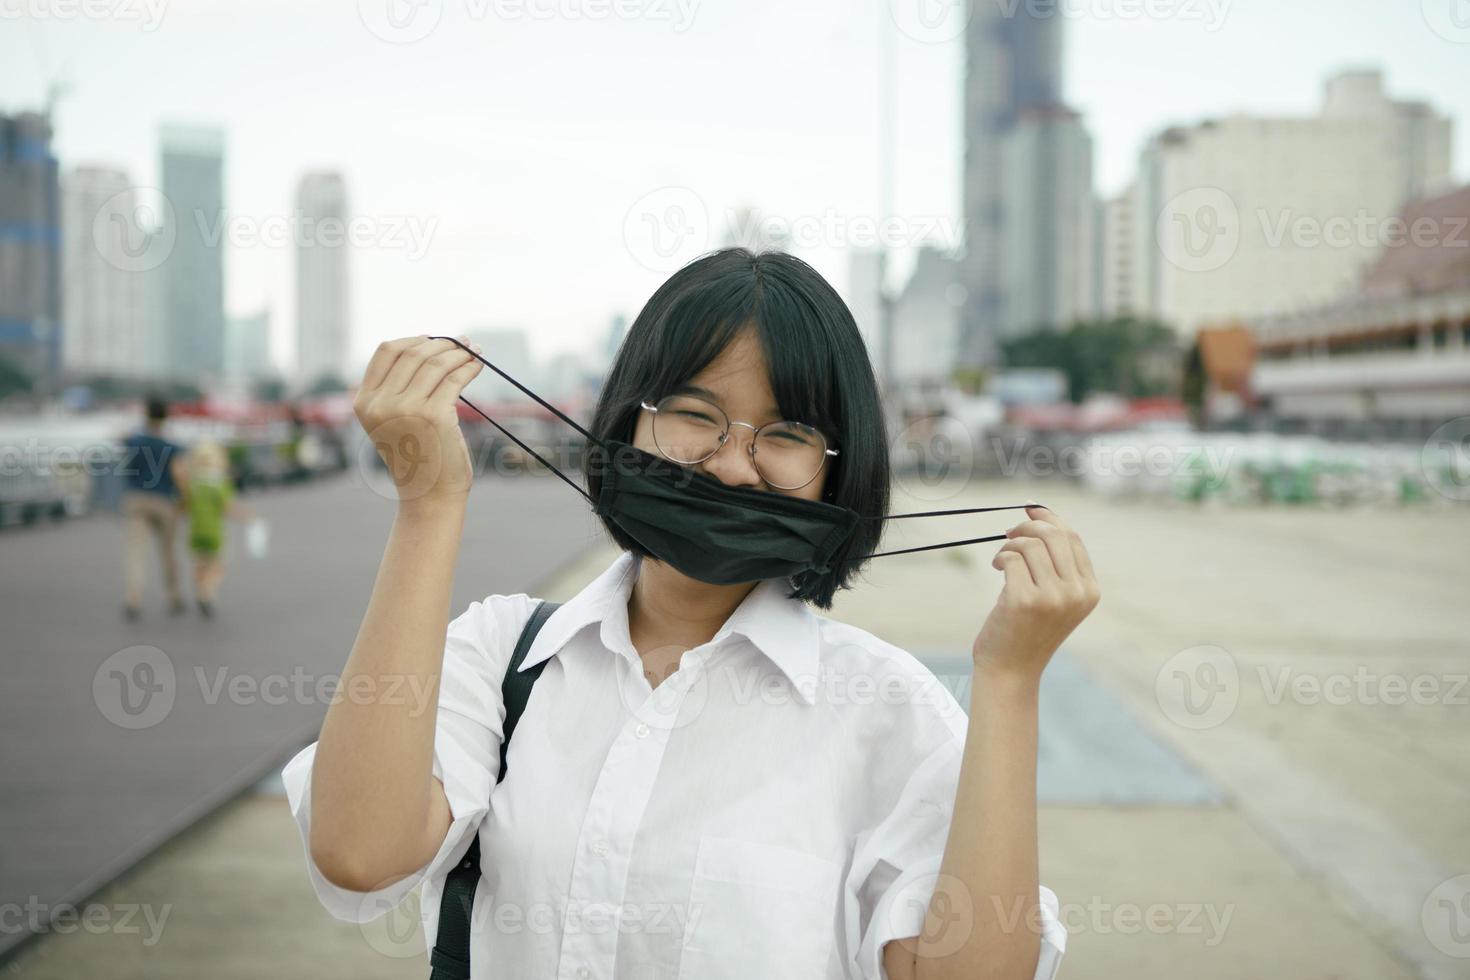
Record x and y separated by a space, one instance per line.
151 468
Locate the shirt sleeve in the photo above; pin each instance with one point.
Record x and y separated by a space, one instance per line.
467 736
896 866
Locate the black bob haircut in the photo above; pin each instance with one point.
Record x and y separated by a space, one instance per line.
819 371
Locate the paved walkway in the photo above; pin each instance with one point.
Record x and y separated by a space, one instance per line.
119 734
1204 813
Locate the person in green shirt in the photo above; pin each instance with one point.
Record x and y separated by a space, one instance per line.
209 498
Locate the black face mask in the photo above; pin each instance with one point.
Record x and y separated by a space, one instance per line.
708 530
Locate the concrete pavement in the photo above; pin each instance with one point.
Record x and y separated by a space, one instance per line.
1267 810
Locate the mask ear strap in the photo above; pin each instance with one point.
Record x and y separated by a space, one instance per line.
947 513
512 435
946 544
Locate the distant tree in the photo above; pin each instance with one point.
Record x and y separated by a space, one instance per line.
269 389
13 379
970 380
326 384
1119 356
176 390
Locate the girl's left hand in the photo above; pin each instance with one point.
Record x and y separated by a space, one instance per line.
1049 589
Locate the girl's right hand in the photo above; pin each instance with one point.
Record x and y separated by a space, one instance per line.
406 404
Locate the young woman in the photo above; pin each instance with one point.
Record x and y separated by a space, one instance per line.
709 779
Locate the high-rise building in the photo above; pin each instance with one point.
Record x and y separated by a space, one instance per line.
926 320
104 283
323 327
1013 79
30 249
1246 215
192 276
509 350
1048 269
248 346
1118 255
864 298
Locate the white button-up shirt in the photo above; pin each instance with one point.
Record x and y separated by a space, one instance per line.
777 807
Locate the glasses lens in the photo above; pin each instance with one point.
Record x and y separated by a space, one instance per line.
789 454
687 429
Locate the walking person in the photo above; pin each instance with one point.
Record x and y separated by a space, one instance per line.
209 499
709 780
150 466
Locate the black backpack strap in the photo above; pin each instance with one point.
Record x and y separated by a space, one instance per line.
450 959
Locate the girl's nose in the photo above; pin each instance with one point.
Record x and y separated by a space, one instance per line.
732 464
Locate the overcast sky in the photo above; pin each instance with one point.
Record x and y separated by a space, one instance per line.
522 163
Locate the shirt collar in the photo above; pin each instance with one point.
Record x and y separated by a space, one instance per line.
783 629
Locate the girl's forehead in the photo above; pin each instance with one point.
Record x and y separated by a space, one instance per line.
739 372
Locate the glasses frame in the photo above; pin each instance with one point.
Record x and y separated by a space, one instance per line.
827 451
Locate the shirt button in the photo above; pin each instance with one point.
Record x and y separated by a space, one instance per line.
583 972
641 731
599 847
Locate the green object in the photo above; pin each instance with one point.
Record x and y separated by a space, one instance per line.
207 502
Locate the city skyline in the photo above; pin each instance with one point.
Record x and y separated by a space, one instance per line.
576 178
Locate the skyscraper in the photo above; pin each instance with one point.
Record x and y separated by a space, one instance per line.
1013 60
247 347
323 332
1048 262
30 248
193 274
1027 181
104 286
1118 255
864 298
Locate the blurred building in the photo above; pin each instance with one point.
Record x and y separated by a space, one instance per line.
509 350
1247 215
192 276
1117 247
1017 129
30 248
567 376
323 326
1049 271
248 347
602 357
926 320
105 288
1392 359
864 298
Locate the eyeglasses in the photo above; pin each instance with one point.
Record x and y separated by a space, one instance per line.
688 429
